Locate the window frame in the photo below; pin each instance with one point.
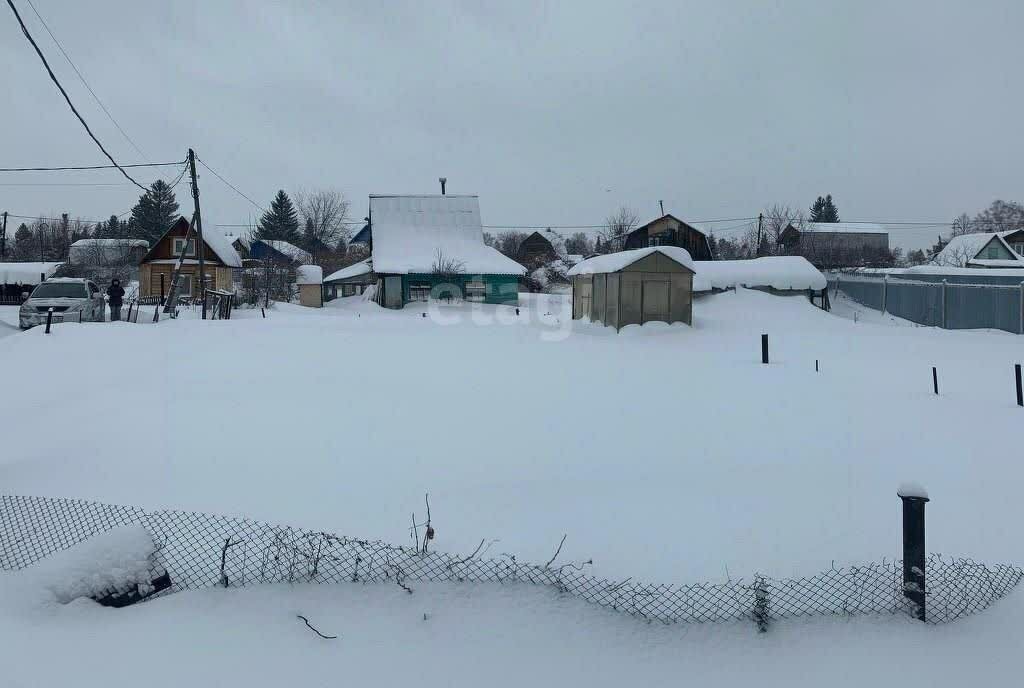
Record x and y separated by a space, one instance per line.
176 242
470 291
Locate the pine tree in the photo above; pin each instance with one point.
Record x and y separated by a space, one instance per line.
824 210
281 221
156 210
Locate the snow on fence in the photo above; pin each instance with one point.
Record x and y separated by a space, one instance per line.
952 306
201 550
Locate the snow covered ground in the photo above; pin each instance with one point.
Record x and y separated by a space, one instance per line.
665 453
471 635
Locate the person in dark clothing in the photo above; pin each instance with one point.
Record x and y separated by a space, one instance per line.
115 296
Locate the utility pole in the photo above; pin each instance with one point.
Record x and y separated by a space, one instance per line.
199 226
3 238
760 221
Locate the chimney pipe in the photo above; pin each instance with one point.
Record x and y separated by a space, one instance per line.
662 205
443 180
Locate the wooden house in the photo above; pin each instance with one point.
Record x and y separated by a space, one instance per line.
219 257
668 230
424 247
983 250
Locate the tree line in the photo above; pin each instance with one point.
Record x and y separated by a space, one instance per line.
316 221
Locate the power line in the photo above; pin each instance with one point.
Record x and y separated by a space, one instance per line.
87 86
53 77
88 167
232 186
64 184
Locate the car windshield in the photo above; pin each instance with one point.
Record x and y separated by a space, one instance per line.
60 290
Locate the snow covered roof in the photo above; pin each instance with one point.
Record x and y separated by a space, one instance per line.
613 262
25 273
844 228
363 267
286 249
410 233
221 245
777 272
117 243
213 237
309 274
962 251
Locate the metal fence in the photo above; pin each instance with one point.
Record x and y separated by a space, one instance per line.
200 550
945 304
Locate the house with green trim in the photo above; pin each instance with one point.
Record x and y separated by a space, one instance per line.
432 247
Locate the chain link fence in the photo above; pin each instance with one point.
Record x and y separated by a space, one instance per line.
201 550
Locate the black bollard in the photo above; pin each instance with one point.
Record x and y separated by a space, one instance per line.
49 319
935 379
1020 390
815 365
764 349
914 499
264 312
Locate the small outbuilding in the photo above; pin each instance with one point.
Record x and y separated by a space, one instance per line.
644 285
310 279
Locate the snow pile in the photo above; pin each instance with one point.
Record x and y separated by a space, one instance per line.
777 272
912 489
116 560
309 274
26 273
613 262
415 234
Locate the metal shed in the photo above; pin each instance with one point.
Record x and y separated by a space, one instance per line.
635 287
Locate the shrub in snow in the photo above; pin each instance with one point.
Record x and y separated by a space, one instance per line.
116 561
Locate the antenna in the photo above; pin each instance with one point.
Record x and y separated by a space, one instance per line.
443 180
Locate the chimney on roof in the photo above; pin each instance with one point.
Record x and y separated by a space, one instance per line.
443 180
662 205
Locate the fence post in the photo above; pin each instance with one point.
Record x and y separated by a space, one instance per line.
49 319
764 349
761 604
885 291
1020 389
945 287
914 498
1021 308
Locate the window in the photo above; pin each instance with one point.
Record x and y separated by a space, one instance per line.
60 290
475 291
654 241
1018 249
179 242
185 285
419 291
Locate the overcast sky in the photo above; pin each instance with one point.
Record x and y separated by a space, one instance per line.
554 113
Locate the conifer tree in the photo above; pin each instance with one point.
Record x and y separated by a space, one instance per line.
824 210
281 222
156 210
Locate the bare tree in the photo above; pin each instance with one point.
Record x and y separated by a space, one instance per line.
618 225
775 221
324 213
963 225
446 267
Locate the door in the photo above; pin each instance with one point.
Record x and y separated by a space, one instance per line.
655 301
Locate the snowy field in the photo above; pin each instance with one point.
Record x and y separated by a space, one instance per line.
667 454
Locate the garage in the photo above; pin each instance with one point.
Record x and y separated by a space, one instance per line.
644 285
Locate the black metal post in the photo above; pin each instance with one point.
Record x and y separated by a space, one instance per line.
49 319
914 549
162 292
935 379
764 349
815 365
264 311
1020 390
